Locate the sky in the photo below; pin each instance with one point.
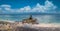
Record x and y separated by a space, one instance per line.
29 6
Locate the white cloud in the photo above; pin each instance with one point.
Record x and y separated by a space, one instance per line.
43 8
49 5
6 7
38 8
25 9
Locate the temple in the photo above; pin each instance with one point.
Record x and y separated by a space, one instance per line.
30 20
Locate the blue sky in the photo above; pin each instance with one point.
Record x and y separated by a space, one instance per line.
29 6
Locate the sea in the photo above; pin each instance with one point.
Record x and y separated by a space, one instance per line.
40 18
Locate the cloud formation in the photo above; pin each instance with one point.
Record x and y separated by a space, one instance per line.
47 7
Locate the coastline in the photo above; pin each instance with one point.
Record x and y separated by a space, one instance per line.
19 26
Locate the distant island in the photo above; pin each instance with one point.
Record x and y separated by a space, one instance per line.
30 20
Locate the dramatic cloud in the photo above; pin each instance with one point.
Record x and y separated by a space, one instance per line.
47 7
44 8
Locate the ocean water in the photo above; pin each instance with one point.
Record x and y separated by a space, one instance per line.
40 18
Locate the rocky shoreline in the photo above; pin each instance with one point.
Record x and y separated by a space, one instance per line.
40 29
